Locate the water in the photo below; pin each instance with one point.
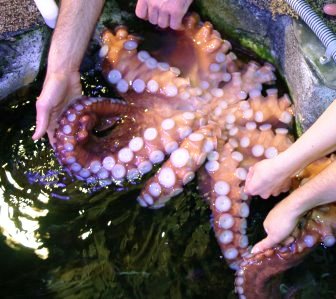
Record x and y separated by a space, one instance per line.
61 239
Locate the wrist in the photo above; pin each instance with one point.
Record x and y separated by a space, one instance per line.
63 60
61 73
292 208
301 200
287 164
61 67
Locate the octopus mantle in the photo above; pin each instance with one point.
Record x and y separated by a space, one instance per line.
191 107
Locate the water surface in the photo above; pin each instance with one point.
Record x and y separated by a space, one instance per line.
63 239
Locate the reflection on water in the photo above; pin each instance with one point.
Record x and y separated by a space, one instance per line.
62 239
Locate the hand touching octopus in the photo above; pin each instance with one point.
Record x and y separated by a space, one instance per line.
164 13
69 42
272 176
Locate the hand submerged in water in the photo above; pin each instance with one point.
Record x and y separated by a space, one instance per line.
58 90
268 177
279 224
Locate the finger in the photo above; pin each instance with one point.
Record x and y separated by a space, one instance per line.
42 119
250 173
248 180
263 245
330 9
153 14
288 241
265 195
163 20
51 137
175 21
51 93
141 9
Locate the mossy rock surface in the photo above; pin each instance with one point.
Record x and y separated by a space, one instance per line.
241 22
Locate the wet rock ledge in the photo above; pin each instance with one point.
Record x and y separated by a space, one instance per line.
23 42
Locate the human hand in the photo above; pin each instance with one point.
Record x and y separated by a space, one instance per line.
268 177
330 9
58 90
164 13
279 224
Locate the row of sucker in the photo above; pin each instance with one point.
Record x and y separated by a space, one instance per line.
228 202
317 227
143 151
180 168
146 74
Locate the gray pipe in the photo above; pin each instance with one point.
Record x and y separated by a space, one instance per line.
326 36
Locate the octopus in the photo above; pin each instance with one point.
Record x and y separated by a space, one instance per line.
191 108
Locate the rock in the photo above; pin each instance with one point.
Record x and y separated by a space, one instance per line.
312 85
22 57
287 43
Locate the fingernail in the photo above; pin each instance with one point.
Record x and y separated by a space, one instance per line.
36 135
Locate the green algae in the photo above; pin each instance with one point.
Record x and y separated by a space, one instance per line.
220 14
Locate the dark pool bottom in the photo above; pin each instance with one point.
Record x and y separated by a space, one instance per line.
101 244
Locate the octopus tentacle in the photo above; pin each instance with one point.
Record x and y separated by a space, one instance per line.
318 226
215 61
265 267
93 158
146 72
261 142
256 109
221 183
180 168
270 109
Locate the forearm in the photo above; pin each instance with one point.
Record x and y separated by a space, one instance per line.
76 21
318 141
318 191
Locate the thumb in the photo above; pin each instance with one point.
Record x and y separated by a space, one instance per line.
248 180
42 119
52 93
263 245
141 9
176 21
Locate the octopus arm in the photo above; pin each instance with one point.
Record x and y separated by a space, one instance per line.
179 169
259 275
